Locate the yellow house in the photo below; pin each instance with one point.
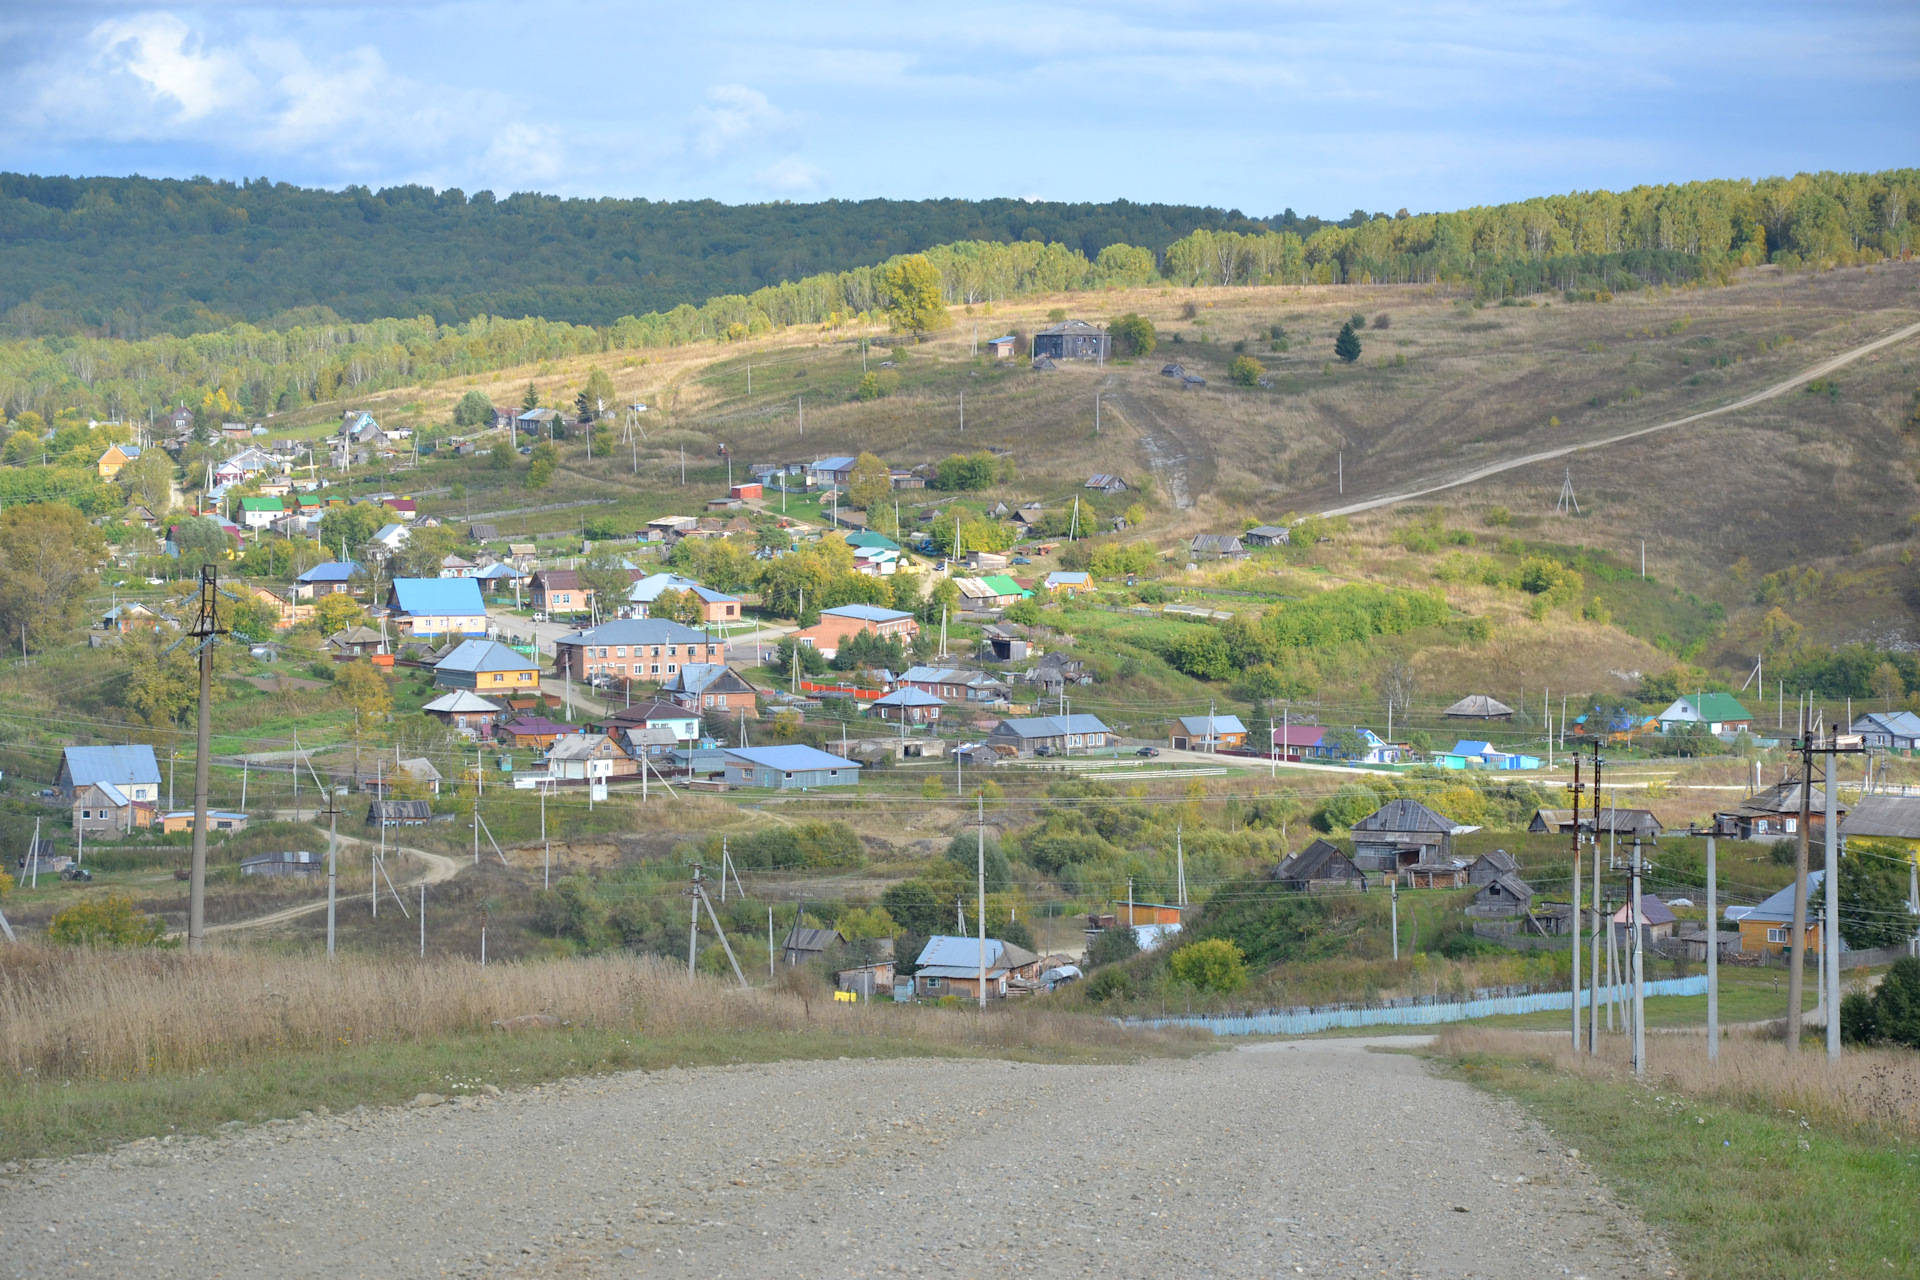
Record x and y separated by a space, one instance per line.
488 668
116 457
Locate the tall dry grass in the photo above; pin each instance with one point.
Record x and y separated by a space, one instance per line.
1876 1089
108 1015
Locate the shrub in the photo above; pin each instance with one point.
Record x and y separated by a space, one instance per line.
474 410
1859 1020
964 851
1132 335
112 921
1112 945
1348 805
1382 321
1110 984
1781 852
1213 965
1245 371
914 907
1498 516
1896 1004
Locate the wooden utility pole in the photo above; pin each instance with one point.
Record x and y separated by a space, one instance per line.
206 628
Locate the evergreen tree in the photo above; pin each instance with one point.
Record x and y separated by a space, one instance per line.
1347 345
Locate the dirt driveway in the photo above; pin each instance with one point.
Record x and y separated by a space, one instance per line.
1288 1158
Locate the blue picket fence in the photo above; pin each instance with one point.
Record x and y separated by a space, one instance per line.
1296 1022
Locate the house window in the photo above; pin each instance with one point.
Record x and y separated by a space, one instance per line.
672 650
671 668
1779 935
933 984
1793 824
654 669
620 651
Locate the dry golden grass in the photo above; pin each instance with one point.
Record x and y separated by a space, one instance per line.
1875 1089
116 1015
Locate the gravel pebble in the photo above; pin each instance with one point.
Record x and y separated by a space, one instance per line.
1277 1159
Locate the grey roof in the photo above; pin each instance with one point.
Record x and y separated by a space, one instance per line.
399 809
635 631
1212 725
484 655
698 677
1654 911
1070 326
800 938
1315 862
908 696
571 746
1499 860
1404 815
1052 726
119 765
1478 706
1782 797
1892 817
1778 908
793 758
1216 542
460 700
1510 885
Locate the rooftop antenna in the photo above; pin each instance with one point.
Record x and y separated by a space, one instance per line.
1568 504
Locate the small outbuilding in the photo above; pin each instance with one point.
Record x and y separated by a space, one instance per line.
1319 865
1479 706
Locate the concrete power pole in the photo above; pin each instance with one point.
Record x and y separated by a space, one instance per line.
206 628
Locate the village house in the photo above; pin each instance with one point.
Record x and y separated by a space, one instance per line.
1207 733
1622 824
1768 928
181 821
1052 735
399 813
1213 546
1321 865
559 591
132 770
481 532
952 684
437 607
357 641
633 649
682 722
1401 834
831 473
1890 818
1488 867
1479 706
1501 898
712 686
715 606
788 768
1719 712
1105 482
465 712
537 732
1267 535
995 591
950 966
804 943
1067 583
537 422
588 757
1895 731
1055 671
488 667
908 705
327 578
452 566
1775 813
116 457
1004 347
1657 922
101 807
1072 340
839 624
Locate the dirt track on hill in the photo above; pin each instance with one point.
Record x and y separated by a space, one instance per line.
1287 1158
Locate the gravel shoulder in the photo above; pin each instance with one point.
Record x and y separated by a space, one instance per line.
1281 1158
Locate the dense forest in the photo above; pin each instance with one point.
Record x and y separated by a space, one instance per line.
132 257
80 359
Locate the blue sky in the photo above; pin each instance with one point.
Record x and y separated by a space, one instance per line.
1322 108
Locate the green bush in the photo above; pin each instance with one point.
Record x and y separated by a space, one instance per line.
964 852
1348 805
112 921
1859 1020
1110 984
1896 1003
1112 945
474 410
1213 965
1245 371
1132 335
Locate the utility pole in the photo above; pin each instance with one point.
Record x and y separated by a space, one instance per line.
1574 919
206 627
1393 905
1797 949
982 911
1639 972
1713 957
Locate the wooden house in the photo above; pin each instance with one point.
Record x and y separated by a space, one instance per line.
531 731
1768 928
803 944
1207 733
1267 535
1319 865
1488 867
399 813
711 686
1775 813
1503 897
1401 834
589 757
1072 340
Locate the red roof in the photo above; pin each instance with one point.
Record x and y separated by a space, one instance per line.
1299 735
534 726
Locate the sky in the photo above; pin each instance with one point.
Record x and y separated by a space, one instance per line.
1321 108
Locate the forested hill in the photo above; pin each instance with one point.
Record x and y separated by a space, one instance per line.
128 257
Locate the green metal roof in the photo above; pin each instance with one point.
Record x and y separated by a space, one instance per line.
1004 586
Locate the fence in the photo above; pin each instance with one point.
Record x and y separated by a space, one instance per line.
1299 1022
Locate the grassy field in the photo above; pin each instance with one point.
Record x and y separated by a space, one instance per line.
1746 995
99 1048
1763 1167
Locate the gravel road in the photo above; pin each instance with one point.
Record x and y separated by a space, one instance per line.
1288 1158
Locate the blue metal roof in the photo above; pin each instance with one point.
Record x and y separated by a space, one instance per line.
1466 747
455 597
1054 726
331 571
908 696
864 613
1212 724
119 765
833 464
637 631
794 758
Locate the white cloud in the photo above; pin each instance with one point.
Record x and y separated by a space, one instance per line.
161 52
736 117
792 176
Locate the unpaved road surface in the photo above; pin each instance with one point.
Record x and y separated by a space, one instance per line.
1308 1157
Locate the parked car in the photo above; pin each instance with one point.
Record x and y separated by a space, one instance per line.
1021 560
1043 750
1148 751
74 872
